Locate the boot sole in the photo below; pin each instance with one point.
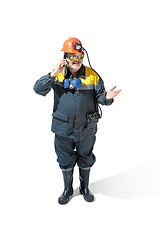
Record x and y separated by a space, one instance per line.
62 202
86 199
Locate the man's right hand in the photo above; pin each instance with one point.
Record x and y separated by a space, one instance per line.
61 64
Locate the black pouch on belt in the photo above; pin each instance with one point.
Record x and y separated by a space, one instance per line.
93 117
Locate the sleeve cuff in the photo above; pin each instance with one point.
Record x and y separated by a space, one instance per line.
109 101
50 76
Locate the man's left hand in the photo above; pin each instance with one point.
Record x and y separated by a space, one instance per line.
111 93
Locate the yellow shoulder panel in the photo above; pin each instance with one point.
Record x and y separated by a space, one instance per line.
60 76
90 77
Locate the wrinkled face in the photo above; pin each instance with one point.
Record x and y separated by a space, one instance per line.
75 60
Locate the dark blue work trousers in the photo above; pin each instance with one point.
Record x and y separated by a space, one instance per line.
69 152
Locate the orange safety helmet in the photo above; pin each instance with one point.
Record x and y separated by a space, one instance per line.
69 45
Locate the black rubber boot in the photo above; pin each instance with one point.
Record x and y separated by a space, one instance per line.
68 189
84 181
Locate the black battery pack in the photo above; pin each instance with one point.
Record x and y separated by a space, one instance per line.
93 117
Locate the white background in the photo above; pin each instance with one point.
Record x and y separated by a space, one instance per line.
122 39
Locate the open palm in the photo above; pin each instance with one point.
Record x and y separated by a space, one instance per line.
111 93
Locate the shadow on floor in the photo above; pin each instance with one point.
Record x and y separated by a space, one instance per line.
141 181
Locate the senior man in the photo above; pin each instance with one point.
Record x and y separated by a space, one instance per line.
78 90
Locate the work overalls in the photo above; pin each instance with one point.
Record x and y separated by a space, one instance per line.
74 135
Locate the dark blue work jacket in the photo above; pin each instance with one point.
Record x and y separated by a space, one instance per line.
71 105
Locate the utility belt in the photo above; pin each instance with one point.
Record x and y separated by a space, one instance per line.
94 117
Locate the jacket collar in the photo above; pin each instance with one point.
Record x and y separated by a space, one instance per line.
81 72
